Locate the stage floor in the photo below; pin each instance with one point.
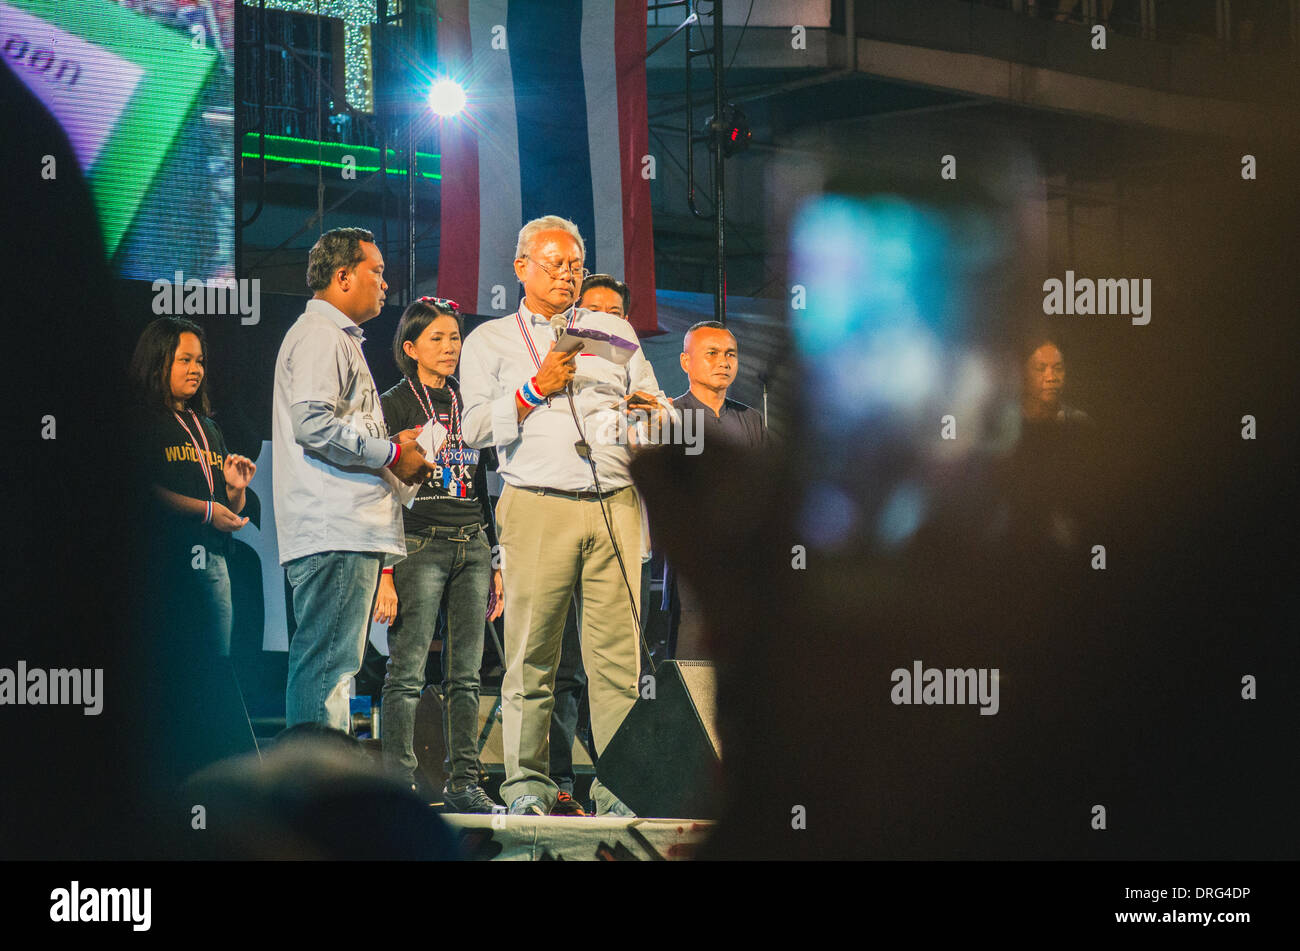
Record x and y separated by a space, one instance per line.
501 838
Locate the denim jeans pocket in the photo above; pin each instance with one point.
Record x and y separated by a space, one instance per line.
300 569
416 544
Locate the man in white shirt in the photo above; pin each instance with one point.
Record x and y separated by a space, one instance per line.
553 510
336 476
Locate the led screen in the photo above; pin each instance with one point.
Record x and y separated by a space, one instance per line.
144 91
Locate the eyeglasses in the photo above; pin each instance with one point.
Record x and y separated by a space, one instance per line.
441 302
554 271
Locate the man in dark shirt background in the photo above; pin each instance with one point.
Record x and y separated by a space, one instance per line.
711 358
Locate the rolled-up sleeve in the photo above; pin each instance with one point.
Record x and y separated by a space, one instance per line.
318 370
491 418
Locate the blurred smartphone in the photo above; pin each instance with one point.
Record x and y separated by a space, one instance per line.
902 294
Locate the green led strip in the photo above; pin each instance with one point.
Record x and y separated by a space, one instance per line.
306 151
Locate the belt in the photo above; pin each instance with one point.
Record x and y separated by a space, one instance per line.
459 532
572 496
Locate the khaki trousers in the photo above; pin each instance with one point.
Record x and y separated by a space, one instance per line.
550 545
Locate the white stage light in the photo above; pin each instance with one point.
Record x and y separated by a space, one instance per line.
446 98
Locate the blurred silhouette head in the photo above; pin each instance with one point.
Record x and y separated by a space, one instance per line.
316 794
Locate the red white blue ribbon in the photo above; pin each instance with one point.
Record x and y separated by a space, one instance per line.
528 338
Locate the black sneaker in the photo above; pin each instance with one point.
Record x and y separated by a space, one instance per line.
471 799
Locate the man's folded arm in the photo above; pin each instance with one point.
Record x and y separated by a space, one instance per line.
315 427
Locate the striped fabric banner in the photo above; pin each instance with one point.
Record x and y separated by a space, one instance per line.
554 123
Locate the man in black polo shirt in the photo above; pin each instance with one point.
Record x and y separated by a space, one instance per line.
711 359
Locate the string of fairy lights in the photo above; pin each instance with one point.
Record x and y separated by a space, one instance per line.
357 17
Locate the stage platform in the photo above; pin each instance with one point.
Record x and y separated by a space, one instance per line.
502 838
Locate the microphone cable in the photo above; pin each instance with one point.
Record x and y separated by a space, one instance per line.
584 450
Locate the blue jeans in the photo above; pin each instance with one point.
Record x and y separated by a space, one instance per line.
204 595
333 596
440 563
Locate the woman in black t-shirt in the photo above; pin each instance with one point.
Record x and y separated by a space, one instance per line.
197 487
449 541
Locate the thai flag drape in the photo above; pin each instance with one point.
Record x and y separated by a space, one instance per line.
555 123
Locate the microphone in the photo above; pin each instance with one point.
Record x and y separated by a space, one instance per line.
558 325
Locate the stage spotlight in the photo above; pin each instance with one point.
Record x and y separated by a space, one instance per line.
446 98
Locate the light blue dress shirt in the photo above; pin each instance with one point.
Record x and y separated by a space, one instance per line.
330 445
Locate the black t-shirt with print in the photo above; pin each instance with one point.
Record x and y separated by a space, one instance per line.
457 493
166 457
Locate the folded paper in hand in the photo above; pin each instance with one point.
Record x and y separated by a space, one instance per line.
430 440
598 344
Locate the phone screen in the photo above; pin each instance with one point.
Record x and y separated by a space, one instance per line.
897 301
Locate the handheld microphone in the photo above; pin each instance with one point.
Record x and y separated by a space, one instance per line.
559 324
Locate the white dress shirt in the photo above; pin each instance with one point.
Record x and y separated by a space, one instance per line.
540 451
329 444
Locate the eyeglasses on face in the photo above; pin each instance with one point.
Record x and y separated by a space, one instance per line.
555 270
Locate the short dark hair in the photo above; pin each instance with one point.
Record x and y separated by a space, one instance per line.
707 325
339 248
1029 345
151 365
415 320
609 282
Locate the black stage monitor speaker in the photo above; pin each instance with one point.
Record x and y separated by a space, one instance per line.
664 759
431 749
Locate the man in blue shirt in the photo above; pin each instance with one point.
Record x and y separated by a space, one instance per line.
337 476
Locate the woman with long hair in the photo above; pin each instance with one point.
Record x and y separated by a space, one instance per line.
197 487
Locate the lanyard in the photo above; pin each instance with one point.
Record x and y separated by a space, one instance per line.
455 414
458 483
528 337
454 428
204 464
